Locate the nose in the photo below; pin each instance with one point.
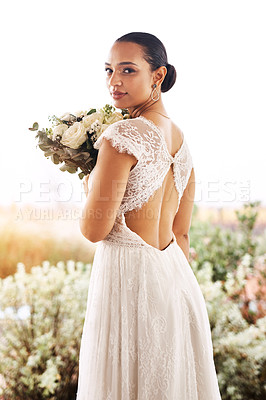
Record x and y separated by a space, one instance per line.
114 79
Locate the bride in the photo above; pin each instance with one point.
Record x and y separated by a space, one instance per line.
146 333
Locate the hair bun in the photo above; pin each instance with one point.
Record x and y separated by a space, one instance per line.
169 79
154 53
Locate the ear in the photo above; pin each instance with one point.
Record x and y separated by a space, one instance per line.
159 75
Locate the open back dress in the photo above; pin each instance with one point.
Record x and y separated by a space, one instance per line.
146 334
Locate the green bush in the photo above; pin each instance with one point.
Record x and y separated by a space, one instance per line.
224 247
39 352
239 346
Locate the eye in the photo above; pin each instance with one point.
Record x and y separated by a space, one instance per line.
108 71
130 70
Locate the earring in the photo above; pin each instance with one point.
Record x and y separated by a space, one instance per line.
154 91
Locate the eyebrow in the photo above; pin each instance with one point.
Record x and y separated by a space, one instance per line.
123 63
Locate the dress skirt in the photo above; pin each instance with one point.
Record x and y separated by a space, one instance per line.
146 334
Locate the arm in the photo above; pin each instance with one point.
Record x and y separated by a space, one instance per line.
182 221
108 186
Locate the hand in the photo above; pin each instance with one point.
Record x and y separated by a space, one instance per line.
85 184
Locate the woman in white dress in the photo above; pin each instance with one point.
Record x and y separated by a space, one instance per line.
146 333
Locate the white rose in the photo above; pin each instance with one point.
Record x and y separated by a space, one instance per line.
89 119
98 133
80 113
104 126
67 117
74 136
59 130
95 127
116 116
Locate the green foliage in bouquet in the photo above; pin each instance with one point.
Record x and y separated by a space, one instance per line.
70 139
39 350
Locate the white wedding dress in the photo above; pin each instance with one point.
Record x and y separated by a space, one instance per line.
146 333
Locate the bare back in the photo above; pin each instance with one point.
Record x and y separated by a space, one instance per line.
154 221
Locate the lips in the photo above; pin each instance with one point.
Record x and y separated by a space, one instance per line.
118 95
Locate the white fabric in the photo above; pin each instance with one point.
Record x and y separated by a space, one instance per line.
142 138
146 333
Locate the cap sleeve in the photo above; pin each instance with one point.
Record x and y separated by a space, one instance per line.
124 136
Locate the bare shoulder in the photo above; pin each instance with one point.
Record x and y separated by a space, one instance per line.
128 124
177 135
167 126
176 129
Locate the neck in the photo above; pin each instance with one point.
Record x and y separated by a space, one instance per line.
147 106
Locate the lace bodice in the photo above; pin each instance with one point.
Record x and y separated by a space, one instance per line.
143 139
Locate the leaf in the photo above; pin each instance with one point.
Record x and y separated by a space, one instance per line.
44 147
81 175
55 159
48 153
69 169
63 168
124 111
35 127
92 110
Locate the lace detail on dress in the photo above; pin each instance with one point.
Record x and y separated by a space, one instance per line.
143 139
147 334
124 136
182 169
122 235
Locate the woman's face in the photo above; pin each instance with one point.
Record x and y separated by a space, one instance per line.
128 76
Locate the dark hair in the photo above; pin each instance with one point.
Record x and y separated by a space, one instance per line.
154 53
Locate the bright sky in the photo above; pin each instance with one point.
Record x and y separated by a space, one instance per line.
53 55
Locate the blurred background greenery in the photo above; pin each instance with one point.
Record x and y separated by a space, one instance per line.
32 235
45 269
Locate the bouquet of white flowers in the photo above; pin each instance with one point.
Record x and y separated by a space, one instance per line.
70 139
